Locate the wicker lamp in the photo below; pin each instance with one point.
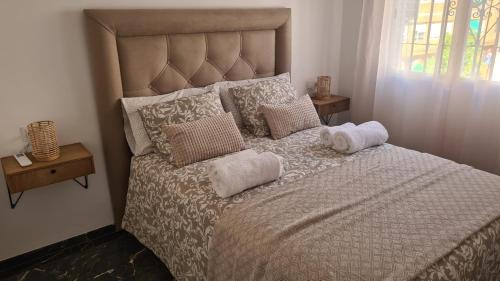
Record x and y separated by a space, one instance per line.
323 87
43 140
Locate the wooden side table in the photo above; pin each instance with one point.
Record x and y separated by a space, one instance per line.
75 161
327 107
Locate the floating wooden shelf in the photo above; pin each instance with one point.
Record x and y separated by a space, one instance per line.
328 106
74 161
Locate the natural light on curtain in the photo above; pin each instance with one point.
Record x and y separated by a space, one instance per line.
430 71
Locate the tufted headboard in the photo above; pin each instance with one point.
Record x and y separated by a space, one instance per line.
152 52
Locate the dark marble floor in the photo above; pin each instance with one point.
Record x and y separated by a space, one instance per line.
120 257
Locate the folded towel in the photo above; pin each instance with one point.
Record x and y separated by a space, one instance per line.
350 140
326 133
233 174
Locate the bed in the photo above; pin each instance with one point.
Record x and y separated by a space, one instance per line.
385 213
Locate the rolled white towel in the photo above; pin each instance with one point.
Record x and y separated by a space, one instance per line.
350 140
326 133
230 176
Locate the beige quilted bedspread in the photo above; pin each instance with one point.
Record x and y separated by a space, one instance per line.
384 217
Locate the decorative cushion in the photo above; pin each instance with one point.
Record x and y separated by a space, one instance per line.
178 111
137 137
285 119
204 139
249 98
227 99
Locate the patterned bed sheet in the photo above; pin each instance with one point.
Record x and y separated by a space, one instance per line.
173 211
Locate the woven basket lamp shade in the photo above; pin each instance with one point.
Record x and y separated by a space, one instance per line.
323 87
43 140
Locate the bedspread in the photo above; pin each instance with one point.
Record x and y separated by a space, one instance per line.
174 211
387 216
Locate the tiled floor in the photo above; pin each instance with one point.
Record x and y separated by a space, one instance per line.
121 257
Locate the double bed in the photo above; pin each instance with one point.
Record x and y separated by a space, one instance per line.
384 213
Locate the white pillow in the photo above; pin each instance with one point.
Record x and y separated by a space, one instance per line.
227 99
137 137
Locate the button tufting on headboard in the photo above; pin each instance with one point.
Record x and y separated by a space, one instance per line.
166 63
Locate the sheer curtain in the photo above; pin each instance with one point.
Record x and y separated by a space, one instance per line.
440 112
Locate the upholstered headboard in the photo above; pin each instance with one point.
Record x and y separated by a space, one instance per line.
152 52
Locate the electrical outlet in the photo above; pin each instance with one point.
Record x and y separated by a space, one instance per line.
24 134
25 139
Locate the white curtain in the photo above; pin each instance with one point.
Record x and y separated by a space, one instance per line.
446 115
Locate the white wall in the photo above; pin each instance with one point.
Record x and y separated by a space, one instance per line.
351 18
44 74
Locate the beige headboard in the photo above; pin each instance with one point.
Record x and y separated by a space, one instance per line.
152 52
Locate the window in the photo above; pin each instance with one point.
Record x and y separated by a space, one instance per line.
481 48
429 31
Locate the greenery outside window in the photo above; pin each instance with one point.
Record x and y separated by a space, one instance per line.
431 26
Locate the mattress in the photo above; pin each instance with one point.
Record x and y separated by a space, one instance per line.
175 212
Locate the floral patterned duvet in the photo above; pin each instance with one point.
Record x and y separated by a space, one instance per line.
174 211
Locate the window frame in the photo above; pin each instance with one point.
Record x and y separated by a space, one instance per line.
463 13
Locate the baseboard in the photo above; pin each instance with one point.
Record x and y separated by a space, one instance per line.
16 264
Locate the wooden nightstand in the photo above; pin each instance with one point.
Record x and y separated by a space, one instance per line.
327 107
75 161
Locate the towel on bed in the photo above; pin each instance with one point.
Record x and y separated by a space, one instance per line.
326 133
354 139
232 174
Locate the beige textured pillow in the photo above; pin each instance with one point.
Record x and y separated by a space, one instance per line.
249 98
286 119
204 139
178 111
